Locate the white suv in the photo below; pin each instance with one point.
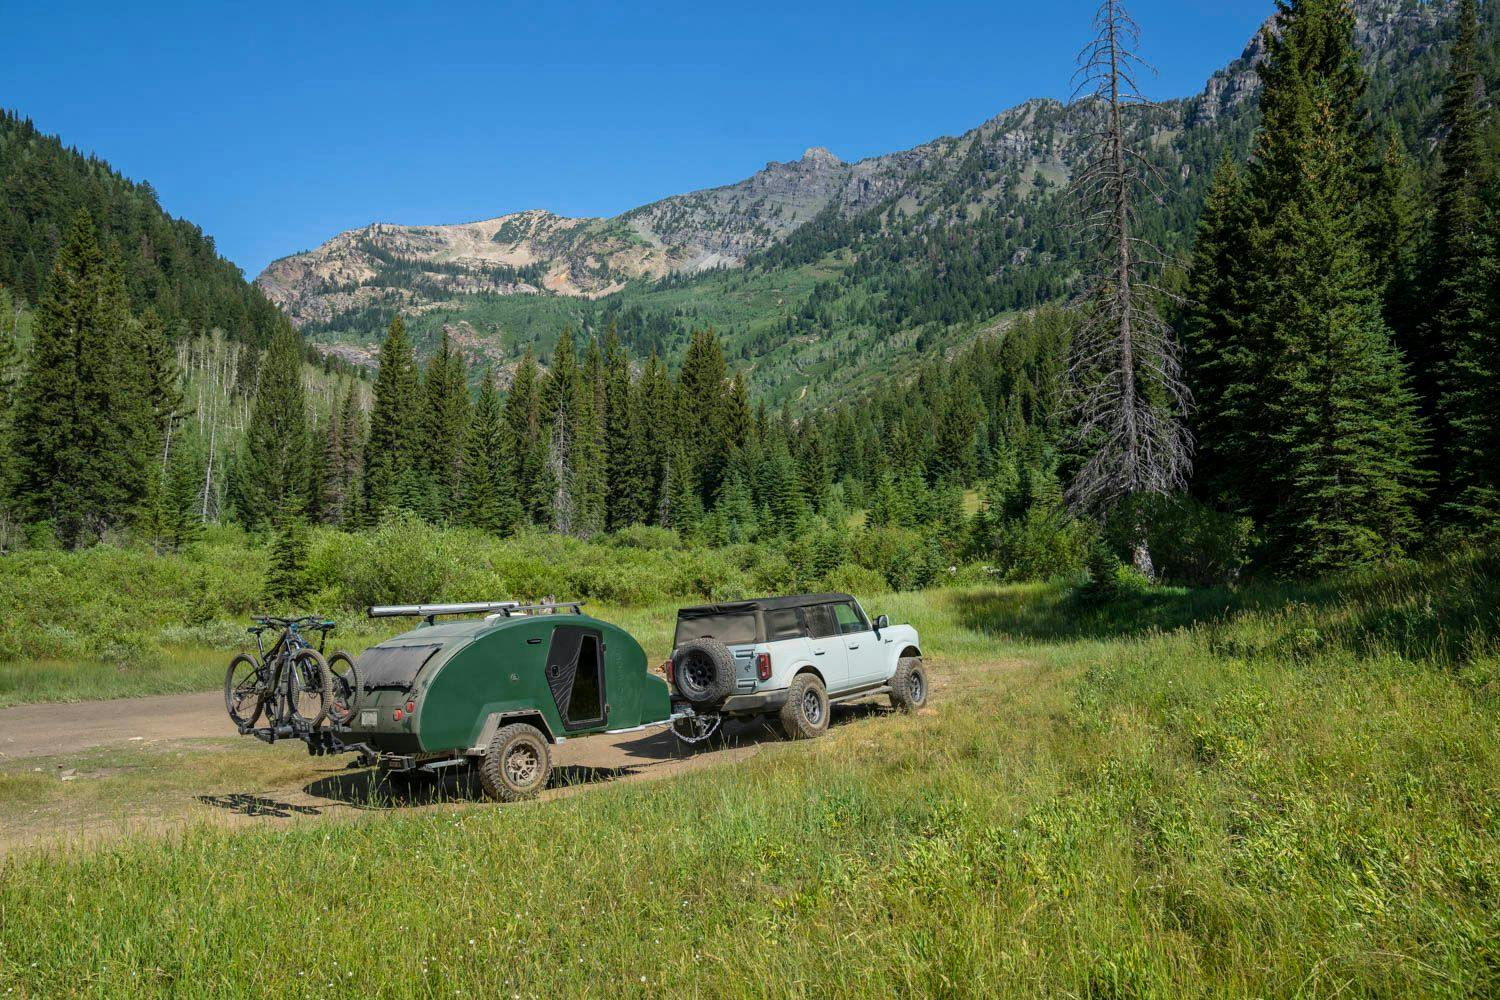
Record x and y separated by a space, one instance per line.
793 656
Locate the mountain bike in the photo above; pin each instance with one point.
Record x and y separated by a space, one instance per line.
291 683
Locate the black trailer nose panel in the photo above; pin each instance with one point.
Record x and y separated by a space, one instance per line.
386 668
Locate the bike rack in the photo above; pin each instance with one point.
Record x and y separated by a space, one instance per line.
320 740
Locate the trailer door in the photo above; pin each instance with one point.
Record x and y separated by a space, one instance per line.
575 675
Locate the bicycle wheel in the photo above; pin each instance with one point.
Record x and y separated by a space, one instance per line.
244 690
311 687
345 686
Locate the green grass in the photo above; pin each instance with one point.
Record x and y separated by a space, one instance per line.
1278 792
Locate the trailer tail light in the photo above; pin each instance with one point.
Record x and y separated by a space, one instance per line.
763 666
396 715
411 708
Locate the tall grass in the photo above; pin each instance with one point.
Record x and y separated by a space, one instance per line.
1213 805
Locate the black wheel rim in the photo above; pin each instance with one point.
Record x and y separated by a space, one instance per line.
697 674
812 707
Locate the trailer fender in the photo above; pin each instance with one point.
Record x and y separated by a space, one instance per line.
495 720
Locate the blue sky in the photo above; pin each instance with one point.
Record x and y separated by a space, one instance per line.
276 125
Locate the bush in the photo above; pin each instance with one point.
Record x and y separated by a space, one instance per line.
903 557
1191 544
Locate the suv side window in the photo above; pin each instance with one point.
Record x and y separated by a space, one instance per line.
820 621
783 623
850 620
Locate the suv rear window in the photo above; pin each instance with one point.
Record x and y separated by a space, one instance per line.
783 623
731 630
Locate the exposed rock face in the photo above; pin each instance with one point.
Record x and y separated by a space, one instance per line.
1034 145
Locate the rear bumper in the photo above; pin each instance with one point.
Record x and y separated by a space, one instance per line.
754 704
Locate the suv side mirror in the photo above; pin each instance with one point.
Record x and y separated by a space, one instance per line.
882 622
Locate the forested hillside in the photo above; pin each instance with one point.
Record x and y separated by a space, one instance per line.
825 273
167 265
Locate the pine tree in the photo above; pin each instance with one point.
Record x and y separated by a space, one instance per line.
1222 363
445 422
656 441
1339 419
701 390
523 417
272 475
487 500
83 416
393 448
10 373
1457 360
621 427
286 569
343 455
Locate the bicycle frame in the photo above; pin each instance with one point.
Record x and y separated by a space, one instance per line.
279 662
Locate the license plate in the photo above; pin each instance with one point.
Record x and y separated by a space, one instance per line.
367 718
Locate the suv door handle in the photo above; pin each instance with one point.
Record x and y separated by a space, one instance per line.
853 645
817 652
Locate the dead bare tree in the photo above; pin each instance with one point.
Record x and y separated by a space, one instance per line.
1125 392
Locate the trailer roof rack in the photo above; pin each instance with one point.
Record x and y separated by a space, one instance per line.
495 609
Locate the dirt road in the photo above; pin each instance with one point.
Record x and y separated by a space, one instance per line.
92 771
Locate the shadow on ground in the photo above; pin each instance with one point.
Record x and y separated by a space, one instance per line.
367 788
245 804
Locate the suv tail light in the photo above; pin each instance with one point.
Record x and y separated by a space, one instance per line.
670 672
763 666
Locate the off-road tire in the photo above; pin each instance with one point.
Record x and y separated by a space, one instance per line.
240 718
504 774
703 672
909 685
323 693
805 714
345 680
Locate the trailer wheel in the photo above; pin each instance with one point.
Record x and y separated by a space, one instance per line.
703 671
805 714
909 685
517 763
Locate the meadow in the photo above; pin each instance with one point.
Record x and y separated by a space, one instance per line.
1277 791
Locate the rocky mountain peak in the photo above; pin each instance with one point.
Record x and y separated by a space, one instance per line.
817 156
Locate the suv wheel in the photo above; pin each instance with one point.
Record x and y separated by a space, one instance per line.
703 671
805 714
517 763
909 684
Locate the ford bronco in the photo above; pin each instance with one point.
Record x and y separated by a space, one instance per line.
792 657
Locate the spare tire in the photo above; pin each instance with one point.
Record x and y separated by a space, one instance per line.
703 671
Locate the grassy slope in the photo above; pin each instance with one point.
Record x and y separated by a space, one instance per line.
1290 792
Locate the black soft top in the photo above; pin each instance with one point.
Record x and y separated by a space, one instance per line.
761 604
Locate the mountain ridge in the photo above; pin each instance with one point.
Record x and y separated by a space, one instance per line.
894 248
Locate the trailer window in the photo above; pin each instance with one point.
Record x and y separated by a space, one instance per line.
731 630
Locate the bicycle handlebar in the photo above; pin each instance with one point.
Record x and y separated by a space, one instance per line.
269 621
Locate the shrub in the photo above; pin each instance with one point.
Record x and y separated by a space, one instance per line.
902 556
1191 544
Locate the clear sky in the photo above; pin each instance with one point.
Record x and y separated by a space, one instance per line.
276 125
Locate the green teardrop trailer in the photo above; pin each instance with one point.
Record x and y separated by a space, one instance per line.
497 691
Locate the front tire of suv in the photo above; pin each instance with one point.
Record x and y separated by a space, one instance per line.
805 714
909 685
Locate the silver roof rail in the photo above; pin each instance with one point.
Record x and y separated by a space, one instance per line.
502 609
